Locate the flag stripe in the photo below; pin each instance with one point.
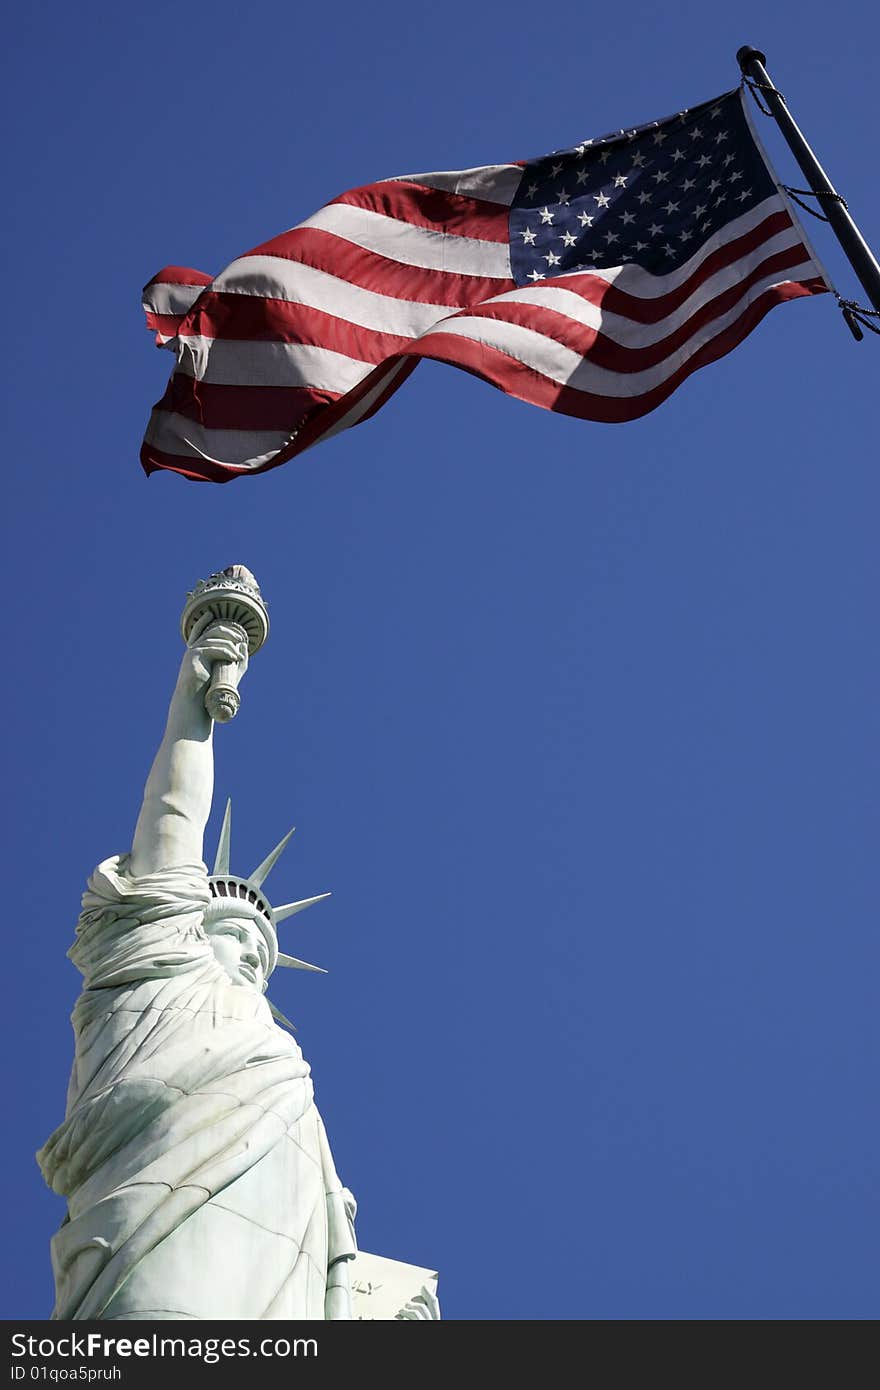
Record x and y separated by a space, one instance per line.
420 247
294 323
233 307
270 364
432 208
493 182
250 408
370 271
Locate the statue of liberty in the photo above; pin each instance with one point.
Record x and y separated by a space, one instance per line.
197 1172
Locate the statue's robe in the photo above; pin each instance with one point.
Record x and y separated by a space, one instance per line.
198 1177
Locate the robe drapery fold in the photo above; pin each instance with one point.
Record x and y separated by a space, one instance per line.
198 1176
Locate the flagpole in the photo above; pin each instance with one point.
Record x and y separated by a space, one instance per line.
857 250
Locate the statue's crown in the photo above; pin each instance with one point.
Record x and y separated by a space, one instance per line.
232 896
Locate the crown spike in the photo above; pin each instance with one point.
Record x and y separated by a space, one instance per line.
291 963
288 909
221 862
263 870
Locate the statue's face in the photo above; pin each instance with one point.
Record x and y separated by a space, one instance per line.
238 945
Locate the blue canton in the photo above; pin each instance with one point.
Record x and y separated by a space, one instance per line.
651 195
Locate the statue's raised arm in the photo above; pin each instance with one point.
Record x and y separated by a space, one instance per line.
177 798
223 622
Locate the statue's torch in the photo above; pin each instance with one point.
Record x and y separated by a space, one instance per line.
232 596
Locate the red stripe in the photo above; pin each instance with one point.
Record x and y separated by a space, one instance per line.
527 384
337 256
242 407
434 208
250 318
605 351
164 324
179 275
155 460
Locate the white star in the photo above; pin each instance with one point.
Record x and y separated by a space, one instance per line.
528 237
705 227
620 180
569 238
696 133
722 135
661 176
716 183
604 156
596 255
685 236
638 161
670 250
552 259
562 196
534 275
581 176
602 199
735 175
585 219
715 112
611 236
699 210
546 215
677 155
531 190
640 246
644 198
557 169
671 206
654 230
688 184
627 217
718 201
659 137
746 193
703 161
728 159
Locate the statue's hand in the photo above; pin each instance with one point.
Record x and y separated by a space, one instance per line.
218 642
424 1307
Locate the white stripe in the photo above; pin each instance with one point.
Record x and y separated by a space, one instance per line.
560 364
497 183
273 277
357 412
629 332
409 245
227 362
174 434
171 299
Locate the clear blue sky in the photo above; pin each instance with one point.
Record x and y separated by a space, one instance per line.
578 722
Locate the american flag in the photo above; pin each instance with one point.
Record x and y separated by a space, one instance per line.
591 281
